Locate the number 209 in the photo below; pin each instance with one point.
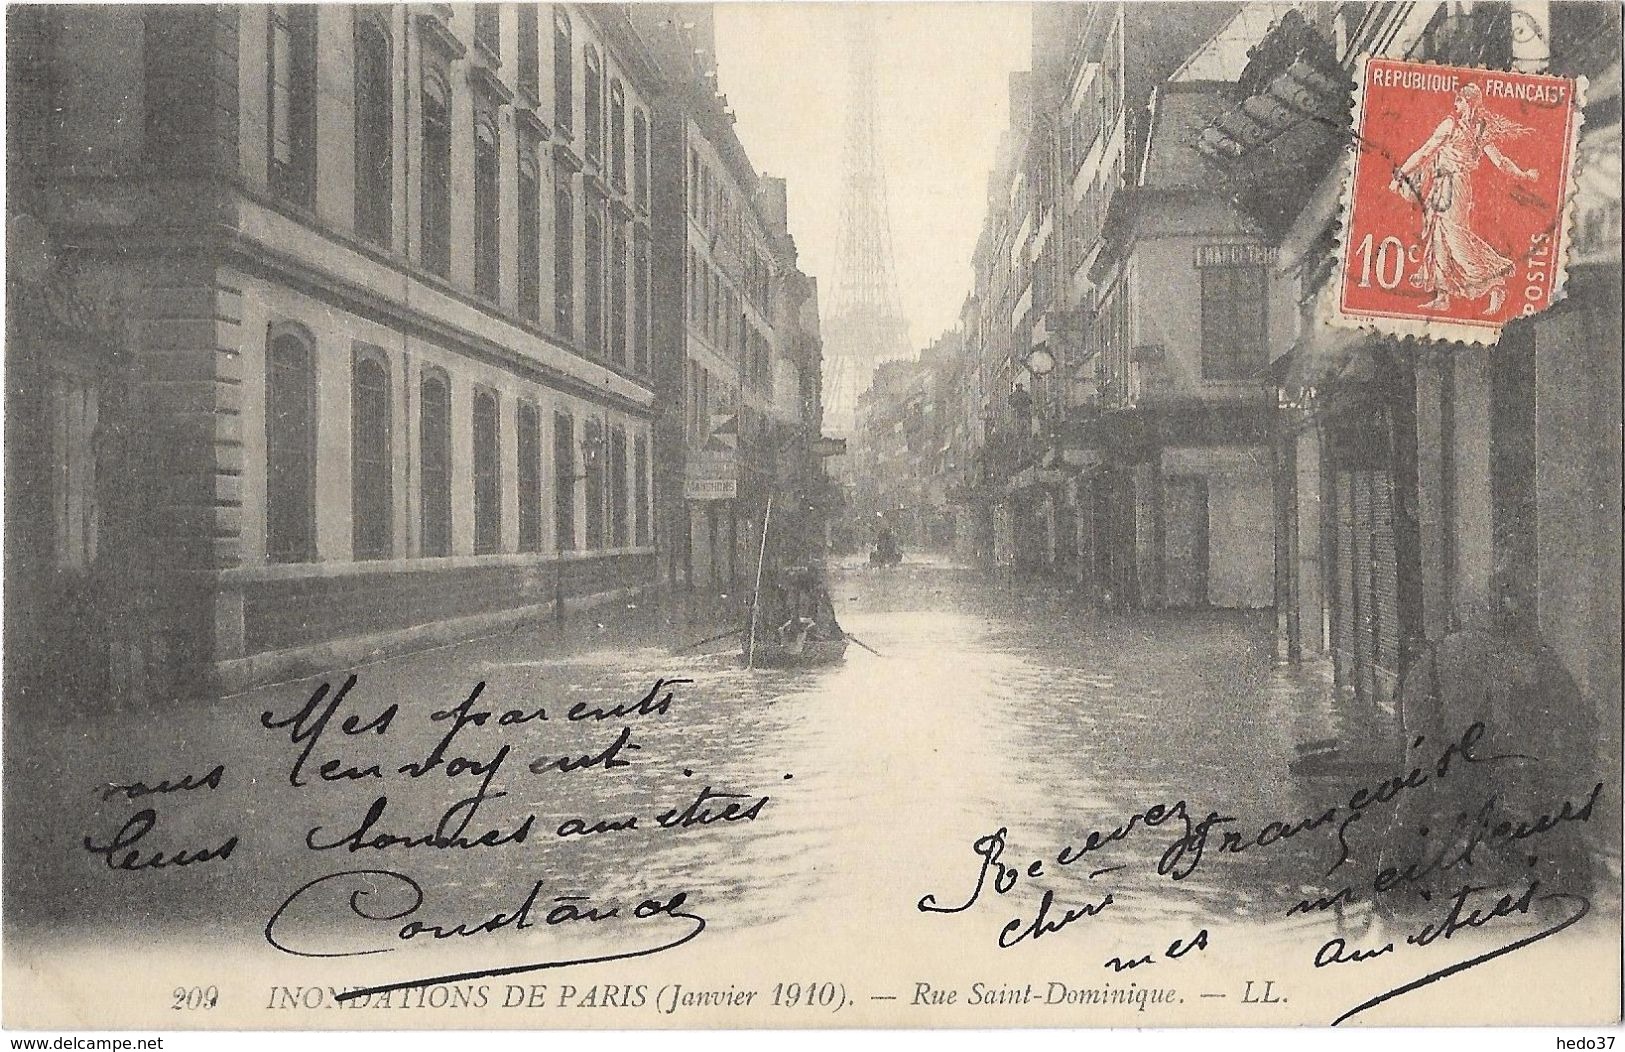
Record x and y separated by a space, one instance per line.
192 998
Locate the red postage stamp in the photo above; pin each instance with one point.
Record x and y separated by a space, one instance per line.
1455 215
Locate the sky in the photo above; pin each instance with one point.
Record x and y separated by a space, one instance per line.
943 99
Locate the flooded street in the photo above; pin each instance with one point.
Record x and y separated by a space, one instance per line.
984 708
784 817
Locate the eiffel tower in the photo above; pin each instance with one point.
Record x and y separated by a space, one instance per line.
864 324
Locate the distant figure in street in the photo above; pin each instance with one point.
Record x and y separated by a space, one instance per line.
886 552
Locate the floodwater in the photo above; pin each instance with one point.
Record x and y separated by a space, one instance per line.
985 707
974 713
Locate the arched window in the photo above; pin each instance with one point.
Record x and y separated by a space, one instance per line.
528 425
640 157
371 479
530 235
617 134
292 102
434 456
487 208
564 235
487 475
563 75
592 73
374 128
436 203
290 431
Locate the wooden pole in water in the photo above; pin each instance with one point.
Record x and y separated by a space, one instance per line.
756 598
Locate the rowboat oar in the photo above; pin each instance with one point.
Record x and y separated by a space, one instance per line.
864 645
711 639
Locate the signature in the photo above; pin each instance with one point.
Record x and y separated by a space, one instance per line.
386 905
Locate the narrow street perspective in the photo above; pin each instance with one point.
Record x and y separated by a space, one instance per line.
1096 513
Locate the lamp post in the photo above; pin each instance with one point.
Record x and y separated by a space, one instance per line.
592 447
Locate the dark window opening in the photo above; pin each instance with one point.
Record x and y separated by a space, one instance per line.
592 89
530 235
374 128
620 531
563 75
617 295
487 475
529 64
594 279
290 514
529 477
1233 345
640 468
487 211
292 117
436 203
564 262
434 452
564 482
370 462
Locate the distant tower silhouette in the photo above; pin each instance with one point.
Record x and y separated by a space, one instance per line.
864 325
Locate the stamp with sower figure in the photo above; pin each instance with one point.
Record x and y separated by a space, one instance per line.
1455 213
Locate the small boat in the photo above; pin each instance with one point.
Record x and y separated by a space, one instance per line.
793 623
808 653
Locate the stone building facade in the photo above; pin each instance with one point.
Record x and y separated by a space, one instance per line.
335 334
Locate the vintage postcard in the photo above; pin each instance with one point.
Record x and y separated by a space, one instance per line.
802 515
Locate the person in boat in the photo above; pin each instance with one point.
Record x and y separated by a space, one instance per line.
810 616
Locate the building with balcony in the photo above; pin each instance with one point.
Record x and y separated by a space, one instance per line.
331 334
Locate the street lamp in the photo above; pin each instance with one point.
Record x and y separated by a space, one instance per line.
592 448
